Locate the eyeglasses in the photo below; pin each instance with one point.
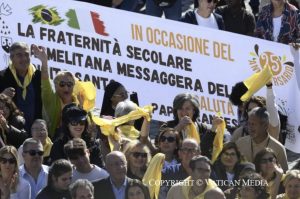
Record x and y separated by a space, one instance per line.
168 139
266 160
9 160
63 84
138 154
34 152
187 150
80 122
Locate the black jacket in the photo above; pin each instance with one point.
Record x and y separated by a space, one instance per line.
190 18
7 80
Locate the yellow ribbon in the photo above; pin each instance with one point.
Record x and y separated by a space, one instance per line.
218 141
27 79
87 93
256 82
153 174
47 147
192 132
129 131
186 187
108 126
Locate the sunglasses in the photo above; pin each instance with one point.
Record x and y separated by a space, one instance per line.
138 154
266 160
63 84
9 160
168 139
80 122
34 152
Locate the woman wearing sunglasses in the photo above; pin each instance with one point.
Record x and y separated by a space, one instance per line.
11 186
167 143
59 180
267 165
138 157
74 125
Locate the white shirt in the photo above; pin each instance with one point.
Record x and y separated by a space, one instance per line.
209 22
23 190
95 174
276 27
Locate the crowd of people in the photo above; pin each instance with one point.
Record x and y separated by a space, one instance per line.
53 146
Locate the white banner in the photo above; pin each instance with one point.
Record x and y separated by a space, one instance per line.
154 57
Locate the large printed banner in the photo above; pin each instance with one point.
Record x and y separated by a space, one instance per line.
156 58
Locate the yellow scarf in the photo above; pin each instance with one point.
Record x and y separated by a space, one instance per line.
218 141
192 132
153 174
47 147
108 126
129 131
256 82
27 79
186 189
87 92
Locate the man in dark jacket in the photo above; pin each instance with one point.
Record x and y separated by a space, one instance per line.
204 15
21 81
115 185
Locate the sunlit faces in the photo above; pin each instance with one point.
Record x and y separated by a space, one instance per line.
76 128
83 193
117 167
20 58
208 5
187 109
229 158
135 192
167 142
267 163
119 95
39 131
256 127
201 171
33 160
4 110
62 182
64 86
292 189
247 192
187 151
8 164
138 157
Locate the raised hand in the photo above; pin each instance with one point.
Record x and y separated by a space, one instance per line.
40 53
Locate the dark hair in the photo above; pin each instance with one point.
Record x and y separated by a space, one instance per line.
14 111
237 91
69 113
227 146
137 183
199 158
262 191
108 93
260 155
165 129
74 146
259 100
58 168
179 101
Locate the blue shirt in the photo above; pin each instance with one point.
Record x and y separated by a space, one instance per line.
119 192
38 185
